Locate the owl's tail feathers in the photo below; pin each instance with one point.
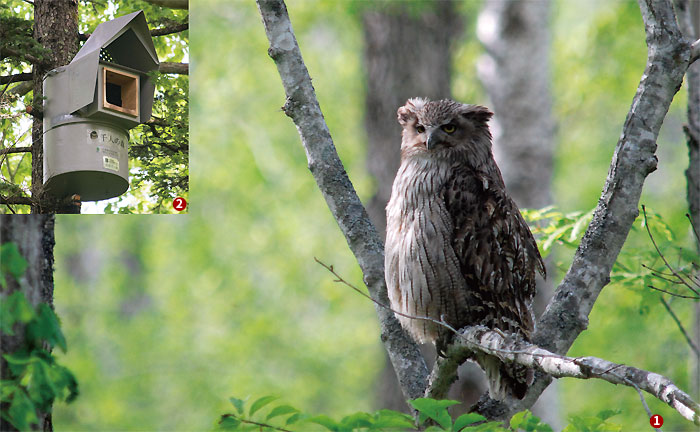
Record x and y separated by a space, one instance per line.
506 380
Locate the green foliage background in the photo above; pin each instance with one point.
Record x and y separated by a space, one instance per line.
167 317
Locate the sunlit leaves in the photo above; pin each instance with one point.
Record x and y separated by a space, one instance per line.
11 262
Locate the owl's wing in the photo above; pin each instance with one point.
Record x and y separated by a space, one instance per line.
496 250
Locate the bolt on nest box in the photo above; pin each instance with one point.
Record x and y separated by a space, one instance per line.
89 106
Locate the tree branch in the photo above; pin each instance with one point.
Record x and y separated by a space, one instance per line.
16 200
328 171
9 52
175 28
172 4
479 339
15 150
174 68
16 78
162 31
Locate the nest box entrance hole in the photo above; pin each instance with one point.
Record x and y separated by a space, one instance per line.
121 91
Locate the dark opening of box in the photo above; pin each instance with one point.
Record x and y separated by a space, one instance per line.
121 91
113 93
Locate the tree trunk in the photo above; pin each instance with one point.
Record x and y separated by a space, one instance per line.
56 28
400 66
515 72
689 20
34 236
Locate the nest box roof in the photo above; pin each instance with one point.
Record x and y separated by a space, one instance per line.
124 41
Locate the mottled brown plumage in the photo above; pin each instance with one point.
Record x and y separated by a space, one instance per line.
457 247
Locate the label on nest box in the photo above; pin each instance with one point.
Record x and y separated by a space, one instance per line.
110 163
107 138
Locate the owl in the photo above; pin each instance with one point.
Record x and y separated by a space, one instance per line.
457 248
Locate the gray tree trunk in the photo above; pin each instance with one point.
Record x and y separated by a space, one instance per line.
56 28
689 19
515 72
400 66
34 236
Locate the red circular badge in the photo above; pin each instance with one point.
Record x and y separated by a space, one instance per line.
656 421
179 204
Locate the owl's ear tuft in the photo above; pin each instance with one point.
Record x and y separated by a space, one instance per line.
477 113
406 116
407 113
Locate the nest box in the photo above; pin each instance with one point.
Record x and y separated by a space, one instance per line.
90 105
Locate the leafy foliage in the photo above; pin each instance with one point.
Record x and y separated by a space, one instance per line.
433 416
16 39
160 150
36 379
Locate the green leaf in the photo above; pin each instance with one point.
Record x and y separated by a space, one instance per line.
7 388
357 420
392 419
260 403
46 327
238 404
11 261
606 414
434 409
281 410
294 418
22 412
326 422
467 419
15 308
228 422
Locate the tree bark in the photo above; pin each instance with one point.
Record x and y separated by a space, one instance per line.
689 21
393 76
56 28
328 171
515 71
34 236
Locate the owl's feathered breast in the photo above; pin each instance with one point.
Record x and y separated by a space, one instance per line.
457 249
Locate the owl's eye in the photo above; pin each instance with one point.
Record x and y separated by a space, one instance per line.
449 128
420 129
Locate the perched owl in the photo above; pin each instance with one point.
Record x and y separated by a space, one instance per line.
457 247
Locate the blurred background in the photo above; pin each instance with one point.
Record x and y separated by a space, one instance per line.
166 317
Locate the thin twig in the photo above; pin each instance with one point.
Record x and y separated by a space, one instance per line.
692 227
668 266
680 327
673 294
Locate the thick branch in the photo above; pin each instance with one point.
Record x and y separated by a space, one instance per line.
16 78
175 28
332 180
9 52
174 68
16 200
15 150
479 339
172 4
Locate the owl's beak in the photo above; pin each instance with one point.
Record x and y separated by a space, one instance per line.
433 139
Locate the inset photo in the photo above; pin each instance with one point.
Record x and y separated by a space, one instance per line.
94 112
